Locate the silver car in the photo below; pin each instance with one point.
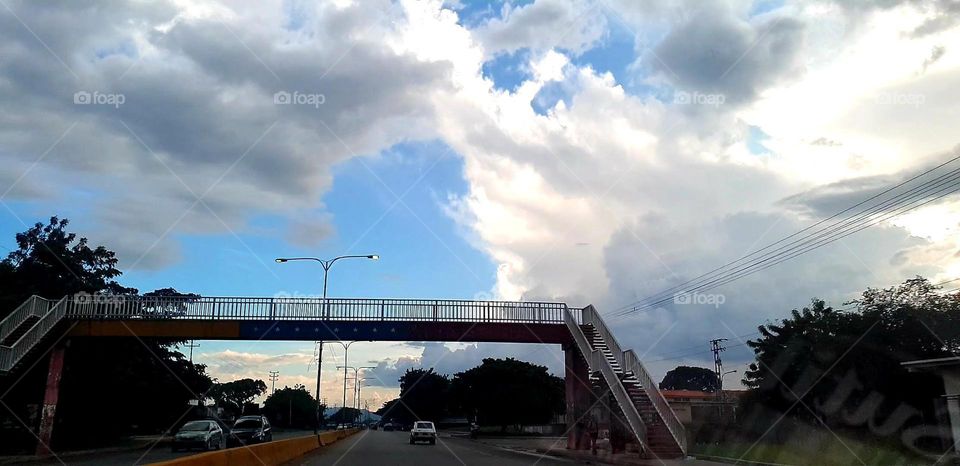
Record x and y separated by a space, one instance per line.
206 435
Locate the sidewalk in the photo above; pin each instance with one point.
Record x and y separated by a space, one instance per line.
133 443
557 447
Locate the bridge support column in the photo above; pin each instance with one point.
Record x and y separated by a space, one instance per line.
50 397
578 396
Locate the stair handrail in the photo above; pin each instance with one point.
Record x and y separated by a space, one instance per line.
591 316
670 419
629 361
597 363
11 355
32 306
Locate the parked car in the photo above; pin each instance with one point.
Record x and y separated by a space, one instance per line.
251 429
423 431
207 435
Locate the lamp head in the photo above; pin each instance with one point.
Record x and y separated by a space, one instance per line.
280 260
374 257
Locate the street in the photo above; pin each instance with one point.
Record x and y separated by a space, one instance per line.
378 447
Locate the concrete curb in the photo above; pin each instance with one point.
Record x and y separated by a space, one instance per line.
276 452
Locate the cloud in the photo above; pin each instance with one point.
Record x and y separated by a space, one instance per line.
198 117
543 25
714 51
935 54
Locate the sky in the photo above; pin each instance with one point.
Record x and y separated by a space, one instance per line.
586 151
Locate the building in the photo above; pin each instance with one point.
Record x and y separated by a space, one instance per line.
949 371
697 406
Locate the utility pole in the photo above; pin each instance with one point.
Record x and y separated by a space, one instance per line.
192 345
273 381
717 362
716 348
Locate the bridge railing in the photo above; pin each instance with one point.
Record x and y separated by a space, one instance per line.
281 308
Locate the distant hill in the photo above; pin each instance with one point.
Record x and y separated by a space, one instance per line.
364 414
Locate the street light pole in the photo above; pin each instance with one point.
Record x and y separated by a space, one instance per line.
720 391
355 370
326 264
358 379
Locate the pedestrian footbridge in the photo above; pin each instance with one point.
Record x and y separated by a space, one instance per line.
598 371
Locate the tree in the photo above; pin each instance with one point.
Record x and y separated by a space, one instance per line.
423 396
51 262
292 407
144 383
846 366
167 308
394 410
236 394
508 392
690 378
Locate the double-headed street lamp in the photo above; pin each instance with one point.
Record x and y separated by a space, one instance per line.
356 378
326 264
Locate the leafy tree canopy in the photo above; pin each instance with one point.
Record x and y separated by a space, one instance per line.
52 262
846 365
508 392
292 407
690 378
236 394
146 380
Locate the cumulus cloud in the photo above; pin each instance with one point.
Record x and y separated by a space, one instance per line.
715 51
544 24
199 143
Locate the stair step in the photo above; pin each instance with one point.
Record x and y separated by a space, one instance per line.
20 330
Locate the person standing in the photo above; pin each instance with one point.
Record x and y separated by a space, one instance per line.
593 429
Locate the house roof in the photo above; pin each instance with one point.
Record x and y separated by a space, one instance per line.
921 364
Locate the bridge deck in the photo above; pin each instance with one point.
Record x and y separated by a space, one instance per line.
232 318
311 330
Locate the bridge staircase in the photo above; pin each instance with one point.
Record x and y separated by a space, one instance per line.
621 374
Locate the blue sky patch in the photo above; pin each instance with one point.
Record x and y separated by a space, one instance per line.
508 71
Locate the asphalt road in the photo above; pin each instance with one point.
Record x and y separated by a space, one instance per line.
370 447
160 452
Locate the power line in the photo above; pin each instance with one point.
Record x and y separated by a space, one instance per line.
700 346
752 267
694 353
895 206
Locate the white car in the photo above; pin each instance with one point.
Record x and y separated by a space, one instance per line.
423 431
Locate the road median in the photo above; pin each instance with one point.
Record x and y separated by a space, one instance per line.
276 452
